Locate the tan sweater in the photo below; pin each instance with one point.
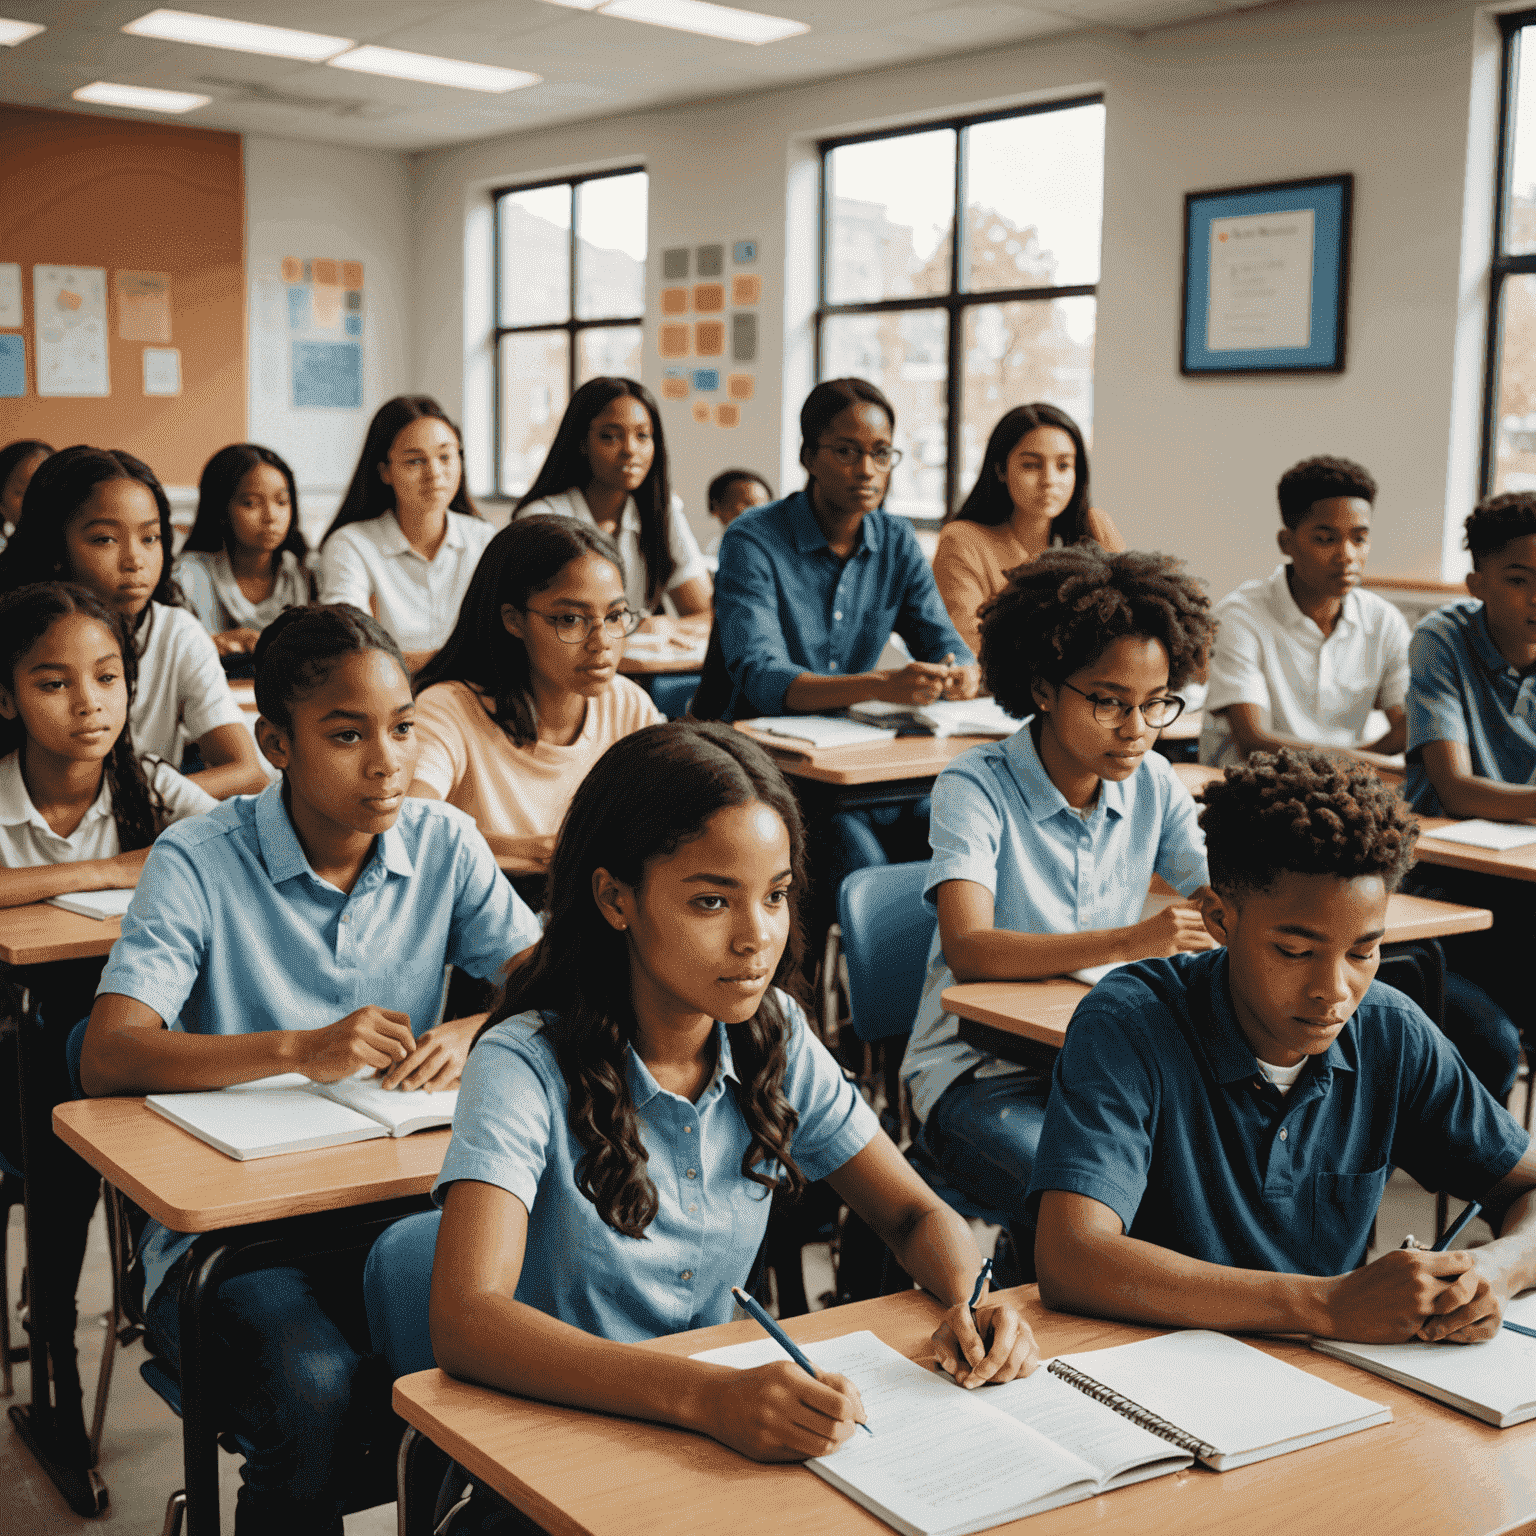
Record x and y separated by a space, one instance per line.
972 562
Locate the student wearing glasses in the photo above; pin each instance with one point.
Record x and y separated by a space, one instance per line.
1044 844
525 694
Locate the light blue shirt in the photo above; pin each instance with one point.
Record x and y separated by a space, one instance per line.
999 820
512 1129
1462 688
231 932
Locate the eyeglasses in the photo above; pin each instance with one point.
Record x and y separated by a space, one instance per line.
849 454
1158 713
573 628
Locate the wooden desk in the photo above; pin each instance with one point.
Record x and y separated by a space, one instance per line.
652 665
903 760
39 934
1195 776
1431 1472
1510 864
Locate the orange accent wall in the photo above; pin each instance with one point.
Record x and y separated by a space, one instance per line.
153 197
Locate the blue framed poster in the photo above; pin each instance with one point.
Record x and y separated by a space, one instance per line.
1266 277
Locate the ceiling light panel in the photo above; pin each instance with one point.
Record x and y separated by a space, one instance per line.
13 32
103 93
431 70
723 21
240 36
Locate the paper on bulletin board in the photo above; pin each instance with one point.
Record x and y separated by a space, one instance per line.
10 294
143 305
13 367
328 299
162 370
69 313
1261 281
327 375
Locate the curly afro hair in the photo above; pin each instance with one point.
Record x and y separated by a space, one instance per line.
1308 812
1066 607
1497 521
1321 479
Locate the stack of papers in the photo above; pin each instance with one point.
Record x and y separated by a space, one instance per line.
1497 835
98 904
822 730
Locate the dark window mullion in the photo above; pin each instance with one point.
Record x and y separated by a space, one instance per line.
1502 264
964 300
954 361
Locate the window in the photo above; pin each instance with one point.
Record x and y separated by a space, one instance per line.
570 301
957 331
1509 395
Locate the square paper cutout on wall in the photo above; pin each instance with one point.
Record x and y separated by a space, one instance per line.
143 305
298 307
672 340
351 274
674 301
744 337
709 338
354 302
701 411
744 252
674 263
709 298
327 375
746 288
728 415
293 269
739 386
711 260
13 367
706 380
162 370
326 271
354 325
673 388
326 298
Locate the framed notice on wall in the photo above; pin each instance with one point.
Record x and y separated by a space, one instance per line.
1266 278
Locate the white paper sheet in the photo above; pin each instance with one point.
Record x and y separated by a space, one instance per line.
1261 281
1497 835
10 295
69 314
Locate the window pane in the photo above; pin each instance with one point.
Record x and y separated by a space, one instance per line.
1514 443
1021 352
611 349
532 379
905 354
892 204
534 237
610 246
1034 202
1520 219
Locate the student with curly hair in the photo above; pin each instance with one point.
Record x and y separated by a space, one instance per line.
639 1093
1305 654
1222 1125
1044 844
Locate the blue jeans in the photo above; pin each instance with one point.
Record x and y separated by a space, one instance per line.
299 1385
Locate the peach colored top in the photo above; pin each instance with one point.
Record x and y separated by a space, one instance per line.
972 563
517 791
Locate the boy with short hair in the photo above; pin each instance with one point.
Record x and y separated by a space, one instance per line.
1222 1125
1304 655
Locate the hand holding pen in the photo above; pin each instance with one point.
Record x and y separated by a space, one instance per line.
993 1344
1437 1333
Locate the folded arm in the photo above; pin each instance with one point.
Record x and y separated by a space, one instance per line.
1463 793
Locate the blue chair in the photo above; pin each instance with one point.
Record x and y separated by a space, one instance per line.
673 692
397 1287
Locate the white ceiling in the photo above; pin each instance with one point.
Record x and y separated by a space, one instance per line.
592 65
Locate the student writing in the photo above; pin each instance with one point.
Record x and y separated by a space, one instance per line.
645 1077
1031 494
608 466
1222 1125
18 463
525 695
1044 844
245 559
303 929
406 539
103 520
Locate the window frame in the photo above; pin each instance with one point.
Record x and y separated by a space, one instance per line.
956 300
571 326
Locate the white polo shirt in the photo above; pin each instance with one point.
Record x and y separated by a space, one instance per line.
26 839
182 692
684 548
1317 688
372 566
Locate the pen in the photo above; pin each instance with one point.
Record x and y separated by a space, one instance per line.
981 1280
1530 1333
777 1334
1457 1227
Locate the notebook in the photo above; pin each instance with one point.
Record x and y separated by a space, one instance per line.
1477 833
823 730
289 1113
98 904
945 717
945 1462
1494 1381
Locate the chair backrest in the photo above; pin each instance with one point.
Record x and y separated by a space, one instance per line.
397 1288
713 698
74 1048
887 932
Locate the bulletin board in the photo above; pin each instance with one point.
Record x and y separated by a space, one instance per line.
159 210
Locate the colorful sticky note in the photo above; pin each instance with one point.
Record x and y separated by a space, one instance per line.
293 269
324 270
327 375
744 252
674 301
727 415
674 263
706 379
740 386
298 307
701 411
672 340
709 298
744 337
354 301
746 288
354 325
709 260
674 389
709 338
327 302
351 274
13 367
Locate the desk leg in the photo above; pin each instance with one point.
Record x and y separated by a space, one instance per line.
200 1278
419 1472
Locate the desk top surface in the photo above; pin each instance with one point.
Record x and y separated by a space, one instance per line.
1510 863
189 1186
880 762
1432 1470
38 933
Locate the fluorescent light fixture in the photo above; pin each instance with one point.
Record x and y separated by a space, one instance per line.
710 20
241 36
140 97
13 32
431 70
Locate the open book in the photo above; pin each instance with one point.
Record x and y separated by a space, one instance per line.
289 1113
98 904
1497 835
1494 1381
944 717
944 1462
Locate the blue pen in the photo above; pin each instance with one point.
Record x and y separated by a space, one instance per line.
1530 1333
981 1280
777 1334
1457 1227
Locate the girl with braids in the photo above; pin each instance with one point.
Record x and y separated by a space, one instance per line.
100 517
639 1093
1044 844
608 466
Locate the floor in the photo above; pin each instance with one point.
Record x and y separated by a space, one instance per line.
141 1448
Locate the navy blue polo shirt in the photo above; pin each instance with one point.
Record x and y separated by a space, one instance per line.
1158 1110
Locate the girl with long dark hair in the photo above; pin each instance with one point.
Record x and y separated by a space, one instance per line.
608 466
18 463
642 1088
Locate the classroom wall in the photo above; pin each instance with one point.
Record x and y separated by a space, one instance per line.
1382 88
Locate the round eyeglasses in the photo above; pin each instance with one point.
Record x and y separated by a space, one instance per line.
573 628
1158 713
849 454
